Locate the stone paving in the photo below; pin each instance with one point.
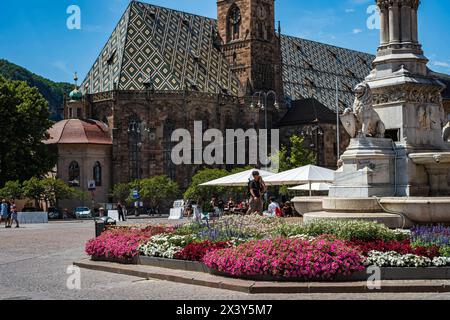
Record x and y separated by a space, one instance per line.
34 260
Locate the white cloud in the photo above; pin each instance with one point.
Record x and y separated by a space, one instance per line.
441 64
349 10
356 31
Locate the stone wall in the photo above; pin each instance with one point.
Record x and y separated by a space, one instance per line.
86 156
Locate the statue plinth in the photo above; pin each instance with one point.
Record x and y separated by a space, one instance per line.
368 169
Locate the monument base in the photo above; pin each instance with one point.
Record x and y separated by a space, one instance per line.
368 169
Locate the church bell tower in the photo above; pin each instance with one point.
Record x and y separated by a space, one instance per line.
250 42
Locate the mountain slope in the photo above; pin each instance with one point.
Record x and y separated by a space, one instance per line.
52 91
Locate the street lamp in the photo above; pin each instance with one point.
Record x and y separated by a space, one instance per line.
262 102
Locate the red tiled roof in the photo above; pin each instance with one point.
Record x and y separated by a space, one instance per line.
75 131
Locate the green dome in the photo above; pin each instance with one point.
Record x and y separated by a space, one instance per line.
75 95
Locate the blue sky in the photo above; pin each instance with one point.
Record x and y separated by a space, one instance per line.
33 33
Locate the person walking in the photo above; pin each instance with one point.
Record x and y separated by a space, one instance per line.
257 188
4 212
14 217
121 211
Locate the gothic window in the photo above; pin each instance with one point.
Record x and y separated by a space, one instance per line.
97 174
74 174
234 23
134 147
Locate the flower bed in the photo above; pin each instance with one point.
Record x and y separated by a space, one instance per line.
261 247
320 259
121 243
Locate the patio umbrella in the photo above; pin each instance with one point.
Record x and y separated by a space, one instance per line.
317 186
240 179
303 175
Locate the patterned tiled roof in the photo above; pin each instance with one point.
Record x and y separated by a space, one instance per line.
310 70
177 49
171 49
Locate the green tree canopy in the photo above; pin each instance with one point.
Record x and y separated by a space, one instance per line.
12 190
202 194
23 128
121 192
49 190
155 191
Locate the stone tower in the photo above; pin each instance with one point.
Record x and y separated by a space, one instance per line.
408 99
250 43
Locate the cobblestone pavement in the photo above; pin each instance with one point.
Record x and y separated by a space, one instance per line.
34 260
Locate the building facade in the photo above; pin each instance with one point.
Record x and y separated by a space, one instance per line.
163 69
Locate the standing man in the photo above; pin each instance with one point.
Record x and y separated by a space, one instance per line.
257 188
4 212
120 210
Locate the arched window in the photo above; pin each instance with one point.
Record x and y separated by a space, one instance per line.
74 174
234 23
97 174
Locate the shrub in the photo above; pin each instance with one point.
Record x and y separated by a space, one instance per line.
394 259
122 243
342 229
165 245
401 247
197 250
320 259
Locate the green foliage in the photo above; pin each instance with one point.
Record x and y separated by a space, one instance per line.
204 194
295 155
156 191
23 127
53 92
49 190
12 190
444 251
342 229
121 192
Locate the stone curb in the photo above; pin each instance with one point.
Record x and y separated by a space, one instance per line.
252 287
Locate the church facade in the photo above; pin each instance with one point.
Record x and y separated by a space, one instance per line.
162 69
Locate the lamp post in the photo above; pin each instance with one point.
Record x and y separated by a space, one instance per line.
262 102
313 131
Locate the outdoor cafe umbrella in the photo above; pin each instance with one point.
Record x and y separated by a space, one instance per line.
240 179
303 175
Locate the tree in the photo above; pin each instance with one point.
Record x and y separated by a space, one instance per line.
49 190
295 155
23 129
202 194
121 192
157 191
57 189
33 189
12 190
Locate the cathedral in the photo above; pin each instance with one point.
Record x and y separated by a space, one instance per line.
162 69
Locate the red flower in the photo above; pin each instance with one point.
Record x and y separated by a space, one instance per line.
196 251
402 247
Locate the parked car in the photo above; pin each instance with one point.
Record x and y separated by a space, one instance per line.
54 213
83 212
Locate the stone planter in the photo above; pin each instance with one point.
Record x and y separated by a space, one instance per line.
172 264
134 260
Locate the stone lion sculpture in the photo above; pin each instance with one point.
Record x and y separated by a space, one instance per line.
363 120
